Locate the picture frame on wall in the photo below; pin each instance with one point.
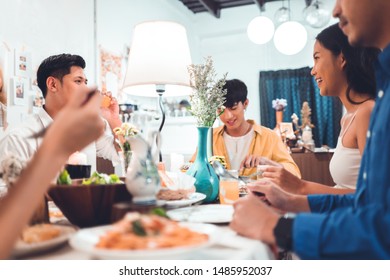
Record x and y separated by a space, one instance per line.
37 97
22 64
19 90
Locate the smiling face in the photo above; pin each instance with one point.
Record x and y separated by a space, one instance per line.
234 117
365 22
328 71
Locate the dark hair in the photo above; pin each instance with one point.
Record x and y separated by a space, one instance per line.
236 91
359 61
57 66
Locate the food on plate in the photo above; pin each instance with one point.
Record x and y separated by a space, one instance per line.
168 194
138 232
40 232
102 178
96 179
221 159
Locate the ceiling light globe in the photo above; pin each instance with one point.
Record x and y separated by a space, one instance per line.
290 38
260 30
316 15
282 15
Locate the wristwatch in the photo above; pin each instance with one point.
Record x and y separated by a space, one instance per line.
283 231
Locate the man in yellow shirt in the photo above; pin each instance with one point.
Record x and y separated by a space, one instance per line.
243 143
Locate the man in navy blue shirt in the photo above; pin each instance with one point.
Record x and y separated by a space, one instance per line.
354 226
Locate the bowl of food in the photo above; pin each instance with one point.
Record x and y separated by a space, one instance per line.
88 202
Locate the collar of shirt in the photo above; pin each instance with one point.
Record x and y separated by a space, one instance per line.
44 116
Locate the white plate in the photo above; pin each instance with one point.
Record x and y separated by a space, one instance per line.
22 248
193 198
85 240
211 213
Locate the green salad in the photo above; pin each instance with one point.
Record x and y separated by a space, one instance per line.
102 178
96 179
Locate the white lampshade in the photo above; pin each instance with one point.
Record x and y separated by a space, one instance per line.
159 55
290 37
260 30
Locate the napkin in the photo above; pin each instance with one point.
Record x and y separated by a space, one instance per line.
181 181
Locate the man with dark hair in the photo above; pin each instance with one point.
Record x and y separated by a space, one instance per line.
59 78
243 143
57 66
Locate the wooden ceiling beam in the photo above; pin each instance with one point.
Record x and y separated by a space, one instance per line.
211 7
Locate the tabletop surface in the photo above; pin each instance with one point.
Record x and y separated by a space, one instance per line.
228 246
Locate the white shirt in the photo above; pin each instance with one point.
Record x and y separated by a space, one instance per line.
17 140
237 148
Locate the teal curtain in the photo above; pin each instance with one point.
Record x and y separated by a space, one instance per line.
297 86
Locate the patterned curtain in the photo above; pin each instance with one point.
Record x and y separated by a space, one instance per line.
297 86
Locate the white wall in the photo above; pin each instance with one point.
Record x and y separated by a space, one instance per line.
44 28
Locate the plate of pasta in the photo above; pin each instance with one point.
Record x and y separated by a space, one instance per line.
139 236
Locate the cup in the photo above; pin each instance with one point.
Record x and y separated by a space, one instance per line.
77 171
228 188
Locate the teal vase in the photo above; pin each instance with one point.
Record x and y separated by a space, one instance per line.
206 180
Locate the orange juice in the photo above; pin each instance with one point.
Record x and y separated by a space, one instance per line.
106 101
228 191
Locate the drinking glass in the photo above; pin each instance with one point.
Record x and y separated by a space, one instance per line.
228 188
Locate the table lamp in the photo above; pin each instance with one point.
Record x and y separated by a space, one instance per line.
158 60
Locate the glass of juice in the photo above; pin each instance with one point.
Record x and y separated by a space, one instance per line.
228 188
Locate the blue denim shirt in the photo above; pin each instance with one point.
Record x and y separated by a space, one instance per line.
355 226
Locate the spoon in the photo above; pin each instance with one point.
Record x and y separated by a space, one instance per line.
221 171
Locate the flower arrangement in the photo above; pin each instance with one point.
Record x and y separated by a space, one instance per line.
279 104
123 133
207 97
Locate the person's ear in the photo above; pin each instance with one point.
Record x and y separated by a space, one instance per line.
343 61
246 102
51 84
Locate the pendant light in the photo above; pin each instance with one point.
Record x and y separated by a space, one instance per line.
316 15
290 37
260 30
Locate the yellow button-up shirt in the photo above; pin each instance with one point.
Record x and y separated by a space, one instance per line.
265 143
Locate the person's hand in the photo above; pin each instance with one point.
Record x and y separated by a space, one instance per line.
254 219
250 161
273 194
282 177
277 198
76 125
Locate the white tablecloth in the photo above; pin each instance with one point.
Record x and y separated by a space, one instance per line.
228 246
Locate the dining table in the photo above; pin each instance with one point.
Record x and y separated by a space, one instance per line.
226 245
229 247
